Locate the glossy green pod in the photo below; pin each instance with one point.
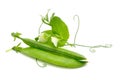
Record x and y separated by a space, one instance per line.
50 58
54 50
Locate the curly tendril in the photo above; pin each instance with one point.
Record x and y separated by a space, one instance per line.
92 48
43 65
78 20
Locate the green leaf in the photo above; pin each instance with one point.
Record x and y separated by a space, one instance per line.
59 28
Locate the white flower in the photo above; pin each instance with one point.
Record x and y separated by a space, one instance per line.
42 37
54 41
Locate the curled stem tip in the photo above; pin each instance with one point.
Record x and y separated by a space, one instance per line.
43 65
92 50
45 19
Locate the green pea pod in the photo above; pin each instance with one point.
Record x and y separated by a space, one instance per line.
54 50
49 57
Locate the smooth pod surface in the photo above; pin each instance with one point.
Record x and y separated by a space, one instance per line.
50 58
54 50
59 51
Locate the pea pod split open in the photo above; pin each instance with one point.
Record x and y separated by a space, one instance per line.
49 57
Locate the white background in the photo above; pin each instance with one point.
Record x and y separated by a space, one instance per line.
99 24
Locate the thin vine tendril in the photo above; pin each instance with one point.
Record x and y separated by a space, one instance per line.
92 48
40 28
96 46
44 20
44 64
78 19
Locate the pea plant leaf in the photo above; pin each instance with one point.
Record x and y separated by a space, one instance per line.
59 30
